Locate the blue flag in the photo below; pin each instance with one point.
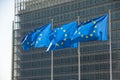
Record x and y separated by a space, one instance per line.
62 37
95 29
27 41
37 38
42 38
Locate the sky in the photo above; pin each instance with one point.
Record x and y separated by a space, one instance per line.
6 18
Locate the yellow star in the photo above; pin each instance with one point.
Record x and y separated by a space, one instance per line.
82 35
78 32
57 44
86 36
94 31
95 26
40 34
39 38
64 39
65 35
36 42
62 43
94 22
55 31
64 30
91 35
61 28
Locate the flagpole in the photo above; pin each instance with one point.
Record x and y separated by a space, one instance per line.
79 75
52 57
110 49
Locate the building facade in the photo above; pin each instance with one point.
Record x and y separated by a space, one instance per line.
35 64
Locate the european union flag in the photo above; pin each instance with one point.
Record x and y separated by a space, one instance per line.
27 41
62 37
42 38
95 29
38 38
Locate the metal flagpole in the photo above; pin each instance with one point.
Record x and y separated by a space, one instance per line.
79 75
110 49
13 57
52 57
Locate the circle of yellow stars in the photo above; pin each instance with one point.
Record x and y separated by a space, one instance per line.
91 34
65 36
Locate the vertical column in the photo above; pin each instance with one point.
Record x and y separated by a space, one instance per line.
110 49
12 76
79 75
52 57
